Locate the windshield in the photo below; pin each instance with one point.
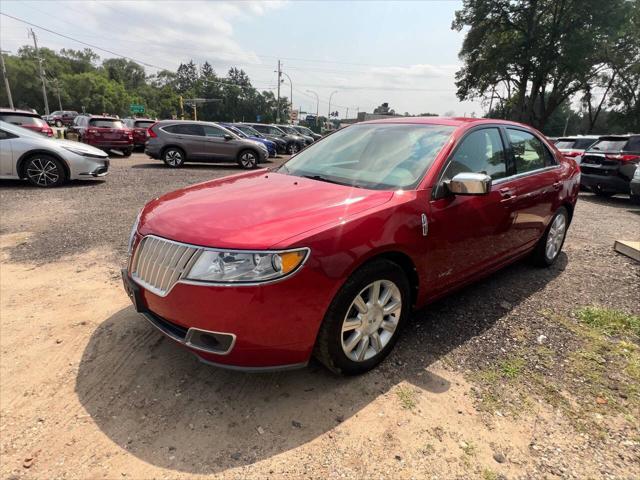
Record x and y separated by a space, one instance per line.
105 123
23 120
249 131
611 145
235 130
377 156
290 130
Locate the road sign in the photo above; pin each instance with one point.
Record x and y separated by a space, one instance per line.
136 108
293 114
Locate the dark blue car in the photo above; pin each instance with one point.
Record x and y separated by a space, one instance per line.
271 146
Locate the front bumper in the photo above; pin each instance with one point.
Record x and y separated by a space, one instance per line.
274 325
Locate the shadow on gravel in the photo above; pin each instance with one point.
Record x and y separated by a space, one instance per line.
615 202
25 185
154 399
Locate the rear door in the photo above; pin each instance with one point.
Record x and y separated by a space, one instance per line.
532 191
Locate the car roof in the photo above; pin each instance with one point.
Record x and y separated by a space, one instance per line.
579 137
449 121
18 112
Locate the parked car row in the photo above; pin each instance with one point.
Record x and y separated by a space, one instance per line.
608 163
60 118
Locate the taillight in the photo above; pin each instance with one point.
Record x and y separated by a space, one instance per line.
48 131
150 132
624 157
92 131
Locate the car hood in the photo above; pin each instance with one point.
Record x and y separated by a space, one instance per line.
255 210
79 147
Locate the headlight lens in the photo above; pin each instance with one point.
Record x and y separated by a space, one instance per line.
132 235
83 153
219 266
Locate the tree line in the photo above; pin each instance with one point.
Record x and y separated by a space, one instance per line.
78 80
535 60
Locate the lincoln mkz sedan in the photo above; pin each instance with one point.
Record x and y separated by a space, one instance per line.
329 254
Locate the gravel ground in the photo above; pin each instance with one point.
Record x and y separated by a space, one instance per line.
483 384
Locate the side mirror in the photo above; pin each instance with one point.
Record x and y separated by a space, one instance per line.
228 137
469 184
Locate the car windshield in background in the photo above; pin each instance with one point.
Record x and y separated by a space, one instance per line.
376 156
105 123
23 120
565 143
612 145
290 130
583 143
248 130
143 124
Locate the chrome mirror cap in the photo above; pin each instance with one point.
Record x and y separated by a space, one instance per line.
469 184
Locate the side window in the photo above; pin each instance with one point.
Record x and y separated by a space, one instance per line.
633 145
529 152
210 131
185 129
6 135
260 128
480 152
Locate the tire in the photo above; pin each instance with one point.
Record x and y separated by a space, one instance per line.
248 159
58 124
545 255
601 193
293 148
127 152
173 157
353 351
45 171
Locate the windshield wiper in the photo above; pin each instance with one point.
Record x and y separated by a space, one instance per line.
329 180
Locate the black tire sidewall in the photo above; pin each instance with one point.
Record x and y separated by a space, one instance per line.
255 159
173 149
332 323
62 175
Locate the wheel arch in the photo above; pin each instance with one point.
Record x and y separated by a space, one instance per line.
22 161
173 145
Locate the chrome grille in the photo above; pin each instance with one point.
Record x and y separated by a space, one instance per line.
159 263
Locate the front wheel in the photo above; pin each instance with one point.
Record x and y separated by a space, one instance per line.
363 322
550 245
127 152
293 148
248 159
173 157
45 171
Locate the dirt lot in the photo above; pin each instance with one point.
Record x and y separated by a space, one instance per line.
511 378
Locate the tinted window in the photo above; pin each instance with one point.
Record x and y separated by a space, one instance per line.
584 143
376 156
565 143
105 123
633 145
188 129
4 135
480 152
22 120
529 152
143 124
210 131
275 131
260 128
611 145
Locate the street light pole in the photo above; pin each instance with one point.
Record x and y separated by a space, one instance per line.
329 116
44 84
6 80
317 104
290 83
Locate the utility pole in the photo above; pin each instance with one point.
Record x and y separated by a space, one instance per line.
317 104
181 109
329 115
57 84
44 84
290 83
278 104
347 113
6 80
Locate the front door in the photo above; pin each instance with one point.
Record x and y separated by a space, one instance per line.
216 146
468 234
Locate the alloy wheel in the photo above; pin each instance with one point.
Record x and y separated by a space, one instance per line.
371 320
293 148
173 158
248 160
555 237
43 172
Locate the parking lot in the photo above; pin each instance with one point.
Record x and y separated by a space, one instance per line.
502 378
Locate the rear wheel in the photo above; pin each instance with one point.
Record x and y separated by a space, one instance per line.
363 322
293 148
248 159
127 152
45 171
550 245
173 157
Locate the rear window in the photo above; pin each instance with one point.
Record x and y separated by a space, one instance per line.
633 145
584 143
565 143
143 124
105 123
610 145
22 120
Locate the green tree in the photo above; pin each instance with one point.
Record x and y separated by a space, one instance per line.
535 54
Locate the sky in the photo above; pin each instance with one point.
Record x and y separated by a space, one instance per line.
403 53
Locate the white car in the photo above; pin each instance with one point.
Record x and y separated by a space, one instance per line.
47 162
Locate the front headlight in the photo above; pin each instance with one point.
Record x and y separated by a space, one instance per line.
220 266
132 235
83 153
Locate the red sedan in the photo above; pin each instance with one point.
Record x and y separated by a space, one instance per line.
329 254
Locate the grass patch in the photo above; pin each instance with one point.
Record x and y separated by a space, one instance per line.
407 397
610 322
488 474
468 448
511 368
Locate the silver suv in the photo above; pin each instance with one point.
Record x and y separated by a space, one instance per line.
179 141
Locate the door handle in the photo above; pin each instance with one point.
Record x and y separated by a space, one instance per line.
557 185
507 193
